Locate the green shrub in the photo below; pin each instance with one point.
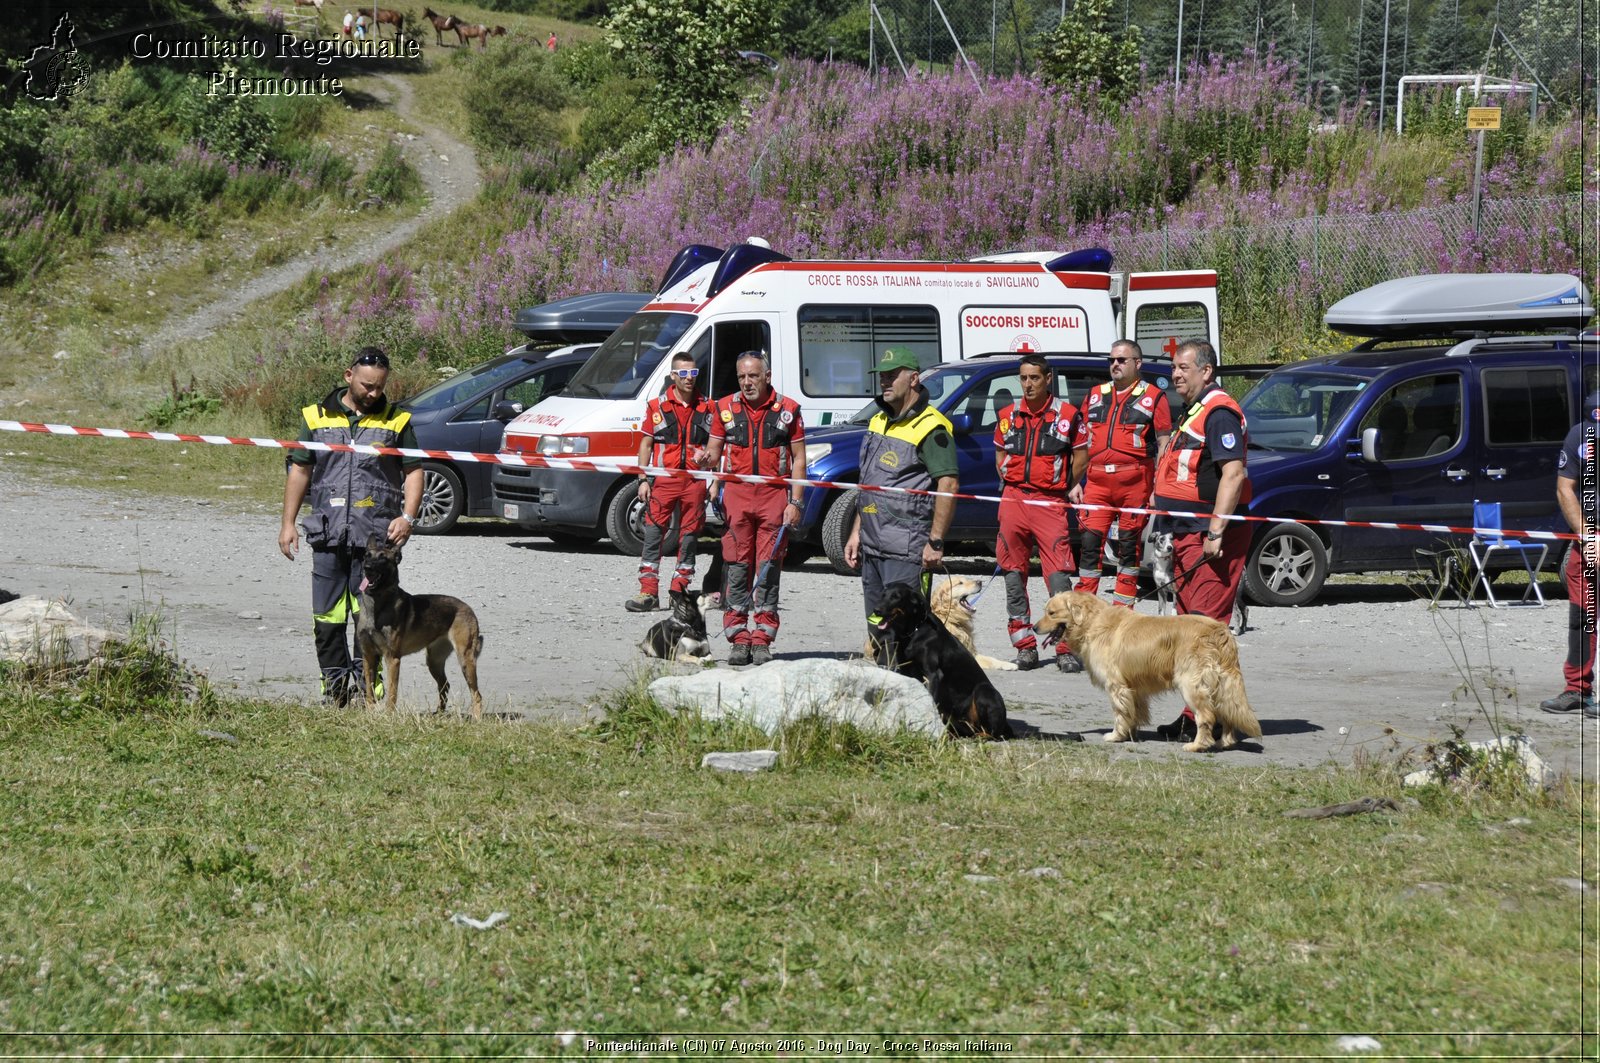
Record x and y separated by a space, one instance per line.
513 99
392 178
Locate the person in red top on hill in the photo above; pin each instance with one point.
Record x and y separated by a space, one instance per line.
1033 455
1202 470
759 432
677 427
1122 427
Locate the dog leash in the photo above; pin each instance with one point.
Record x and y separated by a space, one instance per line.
1173 582
777 544
971 604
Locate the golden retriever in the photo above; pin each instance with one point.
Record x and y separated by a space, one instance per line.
951 604
1133 658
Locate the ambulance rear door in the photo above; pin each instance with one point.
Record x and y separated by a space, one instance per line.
1162 310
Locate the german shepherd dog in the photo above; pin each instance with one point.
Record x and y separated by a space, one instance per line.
967 702
393 624
681 635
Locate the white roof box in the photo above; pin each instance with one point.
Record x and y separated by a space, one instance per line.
1446 304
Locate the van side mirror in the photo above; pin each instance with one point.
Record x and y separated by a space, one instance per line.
506 410
961 424
1369 446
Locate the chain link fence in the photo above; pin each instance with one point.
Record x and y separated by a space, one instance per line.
1342 50
1292 271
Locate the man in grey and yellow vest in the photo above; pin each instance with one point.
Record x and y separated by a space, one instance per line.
899 538
353 497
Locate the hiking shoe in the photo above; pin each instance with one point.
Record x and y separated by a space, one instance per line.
641 603
740 654
1068 662
1566 701
1026 660
760 654
1180 730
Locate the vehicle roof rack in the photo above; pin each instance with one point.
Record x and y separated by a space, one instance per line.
1457 305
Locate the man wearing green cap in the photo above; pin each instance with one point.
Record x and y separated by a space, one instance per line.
898 538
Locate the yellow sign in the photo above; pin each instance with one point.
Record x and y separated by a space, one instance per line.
1483 118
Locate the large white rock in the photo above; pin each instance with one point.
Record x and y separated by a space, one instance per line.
1538 774
856 692
38 629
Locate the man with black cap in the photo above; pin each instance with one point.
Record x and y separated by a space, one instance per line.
1576 495
899 538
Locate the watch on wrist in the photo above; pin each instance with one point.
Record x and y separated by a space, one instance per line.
937 544
1213 535
408 518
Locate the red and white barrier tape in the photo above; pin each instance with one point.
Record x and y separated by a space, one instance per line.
534 461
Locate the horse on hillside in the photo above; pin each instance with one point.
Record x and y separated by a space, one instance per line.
440 24
465 33
391 17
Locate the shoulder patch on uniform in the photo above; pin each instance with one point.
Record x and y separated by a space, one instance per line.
658 418
1094 397
1005 426
1229 440
939 436
786 418
1147 402
727 415
1561 462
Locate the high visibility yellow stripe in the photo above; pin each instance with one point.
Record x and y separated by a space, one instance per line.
316 418
346 607
913 431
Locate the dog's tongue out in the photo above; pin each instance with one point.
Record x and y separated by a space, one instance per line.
362 589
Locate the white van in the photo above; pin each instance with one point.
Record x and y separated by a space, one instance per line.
823 325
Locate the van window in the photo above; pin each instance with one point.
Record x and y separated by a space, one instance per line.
1157 324
1297 409
839 345
717 353
1525 405
1417 418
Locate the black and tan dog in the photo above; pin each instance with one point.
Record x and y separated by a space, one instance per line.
681 635
393 624
967 702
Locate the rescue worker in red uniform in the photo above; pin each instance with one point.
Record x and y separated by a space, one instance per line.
1122 426
759 432
677 427
1033 456
1202 470
1576 491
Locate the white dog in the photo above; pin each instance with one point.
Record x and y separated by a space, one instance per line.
1158 555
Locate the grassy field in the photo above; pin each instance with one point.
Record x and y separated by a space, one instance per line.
187 874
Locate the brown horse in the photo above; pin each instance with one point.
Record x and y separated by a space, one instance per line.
440 24
498 31
392 18
465 33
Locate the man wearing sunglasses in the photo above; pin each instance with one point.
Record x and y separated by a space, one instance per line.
353 497
760 433
677 428
1124 425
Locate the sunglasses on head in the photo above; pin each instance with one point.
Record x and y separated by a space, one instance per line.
373 358
686 374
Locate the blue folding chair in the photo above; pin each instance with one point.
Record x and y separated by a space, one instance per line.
1487 542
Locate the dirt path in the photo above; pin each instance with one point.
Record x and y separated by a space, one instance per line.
449 171
1366 671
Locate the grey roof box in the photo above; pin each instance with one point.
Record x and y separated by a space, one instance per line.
1447 304
579 318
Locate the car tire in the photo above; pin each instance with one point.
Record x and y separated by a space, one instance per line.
625 523
1287 566
444 499
836 526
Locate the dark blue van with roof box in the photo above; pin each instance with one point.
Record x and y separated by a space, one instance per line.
1463 391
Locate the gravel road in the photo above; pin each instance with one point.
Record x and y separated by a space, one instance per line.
1329 681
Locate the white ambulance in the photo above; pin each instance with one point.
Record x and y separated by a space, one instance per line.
823 326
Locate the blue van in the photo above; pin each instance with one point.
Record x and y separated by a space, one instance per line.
1464 391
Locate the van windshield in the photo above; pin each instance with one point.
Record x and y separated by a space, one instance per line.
624 362
1297 410
941 382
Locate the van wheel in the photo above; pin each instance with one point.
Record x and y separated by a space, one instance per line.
836 531
1288 565
443 499
625 523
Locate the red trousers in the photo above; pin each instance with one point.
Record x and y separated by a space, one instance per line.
1578 668
1115 483
669 495
1210 587
1023 529
755 514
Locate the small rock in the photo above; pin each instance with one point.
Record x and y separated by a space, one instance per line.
220 736
1576 885
1043 872
249 616
61 356
980 878
1357 1043
750 761
1519 821
1432 889
1344 730
444 158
